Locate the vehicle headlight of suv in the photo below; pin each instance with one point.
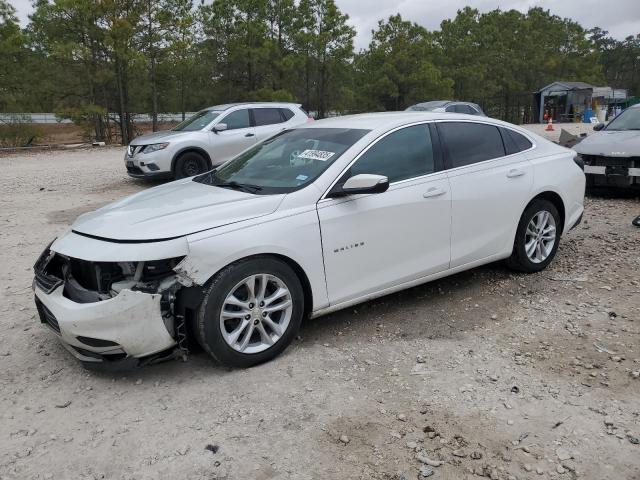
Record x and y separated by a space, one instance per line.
154 147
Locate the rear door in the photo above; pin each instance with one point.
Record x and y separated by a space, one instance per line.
268 121
238 136
490 186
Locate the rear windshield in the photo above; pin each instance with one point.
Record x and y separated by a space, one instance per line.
284 163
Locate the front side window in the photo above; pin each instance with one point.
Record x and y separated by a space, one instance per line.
198 121
403 154
266 116
286 162
237 119
469 142
627 120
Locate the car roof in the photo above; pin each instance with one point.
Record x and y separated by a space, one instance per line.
227 106
389 120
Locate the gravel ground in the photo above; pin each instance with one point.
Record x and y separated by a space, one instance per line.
486 373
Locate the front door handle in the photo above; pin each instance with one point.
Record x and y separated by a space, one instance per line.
433 192
250 134
514 173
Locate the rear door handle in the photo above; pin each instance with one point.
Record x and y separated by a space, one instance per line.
250 135
433 192
514 172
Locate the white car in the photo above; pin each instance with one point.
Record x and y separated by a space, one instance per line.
209 138
313 220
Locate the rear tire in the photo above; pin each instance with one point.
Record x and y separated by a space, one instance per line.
189 164
537 237
241 325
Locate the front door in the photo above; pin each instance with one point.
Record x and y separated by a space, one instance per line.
375 241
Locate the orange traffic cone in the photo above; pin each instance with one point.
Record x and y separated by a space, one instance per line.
549 125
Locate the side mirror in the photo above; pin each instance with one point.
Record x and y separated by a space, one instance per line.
598 127
361 184
219 127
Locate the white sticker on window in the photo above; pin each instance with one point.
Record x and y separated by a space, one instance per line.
302 177
321 155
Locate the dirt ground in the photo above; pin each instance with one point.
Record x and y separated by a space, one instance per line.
486 373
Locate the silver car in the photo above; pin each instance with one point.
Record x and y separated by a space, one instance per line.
447 106
611 156
209 138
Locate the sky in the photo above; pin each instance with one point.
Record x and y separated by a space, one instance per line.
620 17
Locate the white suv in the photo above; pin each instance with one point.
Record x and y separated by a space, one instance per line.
310 221
209 138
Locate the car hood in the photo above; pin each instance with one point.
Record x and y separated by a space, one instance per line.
157 137
174 210
611 144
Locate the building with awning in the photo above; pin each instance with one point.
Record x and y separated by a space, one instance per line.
568 101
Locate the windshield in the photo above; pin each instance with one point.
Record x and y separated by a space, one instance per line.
197 122
284 163
627 120
426 106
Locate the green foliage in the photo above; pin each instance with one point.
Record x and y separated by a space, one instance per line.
398 70
84 58
18 131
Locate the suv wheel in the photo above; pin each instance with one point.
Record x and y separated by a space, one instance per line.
250 312
189 164
537 237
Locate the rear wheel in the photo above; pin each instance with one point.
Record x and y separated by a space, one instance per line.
537 237
251 312
189 164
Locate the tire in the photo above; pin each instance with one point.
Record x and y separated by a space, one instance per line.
189 164
537 259
215 333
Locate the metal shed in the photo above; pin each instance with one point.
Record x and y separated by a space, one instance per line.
563 101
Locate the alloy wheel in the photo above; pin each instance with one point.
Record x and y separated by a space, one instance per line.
540 236
256 313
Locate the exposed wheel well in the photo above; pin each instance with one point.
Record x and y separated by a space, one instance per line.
554 198
191 149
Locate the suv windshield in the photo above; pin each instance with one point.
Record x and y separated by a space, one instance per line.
197 122
426 106
627 120
284 163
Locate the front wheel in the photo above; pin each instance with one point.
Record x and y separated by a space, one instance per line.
251 312
537 237
189 164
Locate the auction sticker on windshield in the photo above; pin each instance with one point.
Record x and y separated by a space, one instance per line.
321 155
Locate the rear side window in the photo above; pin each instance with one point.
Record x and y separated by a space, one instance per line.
469 143
403 154
237 119
514 142
266 116
286 114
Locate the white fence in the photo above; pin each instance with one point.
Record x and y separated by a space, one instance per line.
53 118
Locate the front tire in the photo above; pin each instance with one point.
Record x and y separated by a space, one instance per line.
189 164
537 237
250 313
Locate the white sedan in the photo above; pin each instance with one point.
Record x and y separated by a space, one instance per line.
313 220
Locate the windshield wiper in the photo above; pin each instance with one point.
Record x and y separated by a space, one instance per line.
244 187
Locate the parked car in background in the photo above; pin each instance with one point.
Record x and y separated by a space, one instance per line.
209 138
611 156
312 220
447 106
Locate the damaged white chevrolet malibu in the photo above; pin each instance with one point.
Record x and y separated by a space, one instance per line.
313 220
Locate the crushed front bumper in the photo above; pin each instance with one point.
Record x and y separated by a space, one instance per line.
612 171
123 329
